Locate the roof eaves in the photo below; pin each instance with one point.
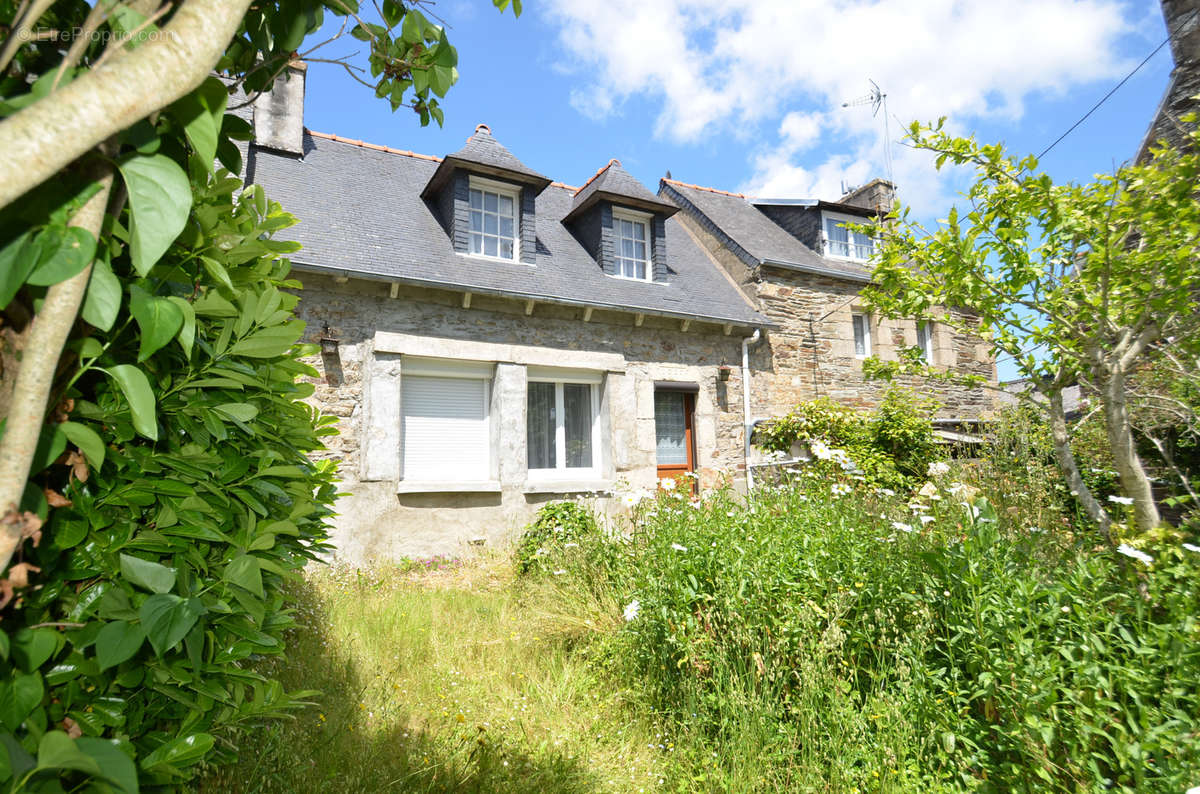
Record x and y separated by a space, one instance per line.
864 278
760 322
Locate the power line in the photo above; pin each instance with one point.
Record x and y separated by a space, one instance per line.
1117 86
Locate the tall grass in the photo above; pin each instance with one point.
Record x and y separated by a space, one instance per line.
815 642
450 681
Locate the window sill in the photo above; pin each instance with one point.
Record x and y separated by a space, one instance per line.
568 486
498 259
447 486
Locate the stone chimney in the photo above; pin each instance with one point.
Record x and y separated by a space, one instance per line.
279 113
877 195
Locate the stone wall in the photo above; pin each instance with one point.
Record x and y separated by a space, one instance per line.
810 352
377 522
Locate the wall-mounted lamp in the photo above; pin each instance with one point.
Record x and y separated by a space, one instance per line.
723 372
329 342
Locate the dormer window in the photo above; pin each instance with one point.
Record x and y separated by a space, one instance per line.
632 236
842 243
494 228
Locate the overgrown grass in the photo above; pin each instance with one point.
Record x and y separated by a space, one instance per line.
451 680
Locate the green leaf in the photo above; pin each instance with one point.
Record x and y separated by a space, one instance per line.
72 251
201 113
269 342
158 318
152 576
217 271
167 619
32 647
160 199
187 331
136 388
56 750
88 441
229 155
242 412
117 642
103 300
116 767
19 695
18 758
184 751
50 445
245 572
17 260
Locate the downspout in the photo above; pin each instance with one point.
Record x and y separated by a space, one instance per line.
750 340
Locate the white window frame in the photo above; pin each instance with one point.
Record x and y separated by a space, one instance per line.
925 331
827 244
644 218
865 325
560 377
500 189
414 366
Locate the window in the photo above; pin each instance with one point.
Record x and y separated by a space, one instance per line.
631 231
444 427
494 219
862 334
841 243
925 340
561 424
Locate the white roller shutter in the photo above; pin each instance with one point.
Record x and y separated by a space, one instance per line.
445 431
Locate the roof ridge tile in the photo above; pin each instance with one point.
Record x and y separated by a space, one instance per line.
707 189
374 146
605 167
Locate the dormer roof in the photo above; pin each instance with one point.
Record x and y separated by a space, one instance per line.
485 155
613 183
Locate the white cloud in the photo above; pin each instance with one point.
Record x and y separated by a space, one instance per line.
744 65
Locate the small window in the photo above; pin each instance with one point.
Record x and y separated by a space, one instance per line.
632 235
841 243
562 427
862 334
444 430
925 340
493 219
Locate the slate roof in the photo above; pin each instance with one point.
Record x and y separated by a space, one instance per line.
760 239
485 154
614 183
361 213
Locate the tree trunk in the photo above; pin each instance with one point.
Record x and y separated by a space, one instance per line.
47 335
1070 469
1135 483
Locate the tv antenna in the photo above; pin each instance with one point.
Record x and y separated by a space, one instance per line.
877 99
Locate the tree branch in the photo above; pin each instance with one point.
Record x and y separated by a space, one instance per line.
43 138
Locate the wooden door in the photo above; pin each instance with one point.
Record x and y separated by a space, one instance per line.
674 437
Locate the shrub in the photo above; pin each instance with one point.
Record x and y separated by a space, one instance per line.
543 542
184 502
890 448
845 643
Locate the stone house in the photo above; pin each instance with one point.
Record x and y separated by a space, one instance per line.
492 340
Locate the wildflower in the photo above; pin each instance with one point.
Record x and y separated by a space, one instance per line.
928 489
900 525
559 572
938 468
632 609
1130 551
678 547
1120 500
1066 609
820 451
926 519
839 489
1196 549
885 492
667 484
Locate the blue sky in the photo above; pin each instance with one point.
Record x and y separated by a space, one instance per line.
746 95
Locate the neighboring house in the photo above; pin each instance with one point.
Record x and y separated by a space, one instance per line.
1182 18
493 340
